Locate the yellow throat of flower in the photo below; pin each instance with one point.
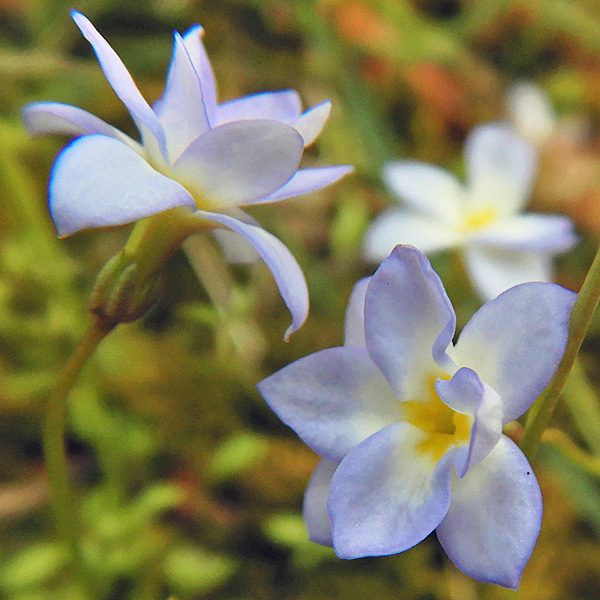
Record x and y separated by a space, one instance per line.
444 427
478 219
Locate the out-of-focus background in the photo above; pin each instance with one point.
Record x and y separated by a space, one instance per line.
186 484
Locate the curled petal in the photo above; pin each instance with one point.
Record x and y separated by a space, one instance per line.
55 117
426 188
192 39
397 226
409 321
314 508
386 496
467 394
516 341
181 108
121 82
240 162
286 272
500 168
310 124
494 270
306 181
354 324
494 517
529 233
284 106
333 399
98 181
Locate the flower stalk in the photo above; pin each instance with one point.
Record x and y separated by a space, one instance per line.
581 316
55 452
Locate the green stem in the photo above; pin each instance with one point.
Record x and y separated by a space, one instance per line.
55 452
581 316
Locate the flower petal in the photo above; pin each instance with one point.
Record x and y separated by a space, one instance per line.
286 272
397 226
284 106
310 124
494 518
531 112
306 181
333 399
354 324
314 508
192 39
181 108
409 321
426 188
55 117
98 181
386 496
529 232
500 168
467 394
516 341
240 162
121 82
494 270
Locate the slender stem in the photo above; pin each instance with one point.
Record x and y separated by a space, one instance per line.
55 451
581 316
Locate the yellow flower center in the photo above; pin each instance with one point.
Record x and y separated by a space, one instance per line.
478 219
444 427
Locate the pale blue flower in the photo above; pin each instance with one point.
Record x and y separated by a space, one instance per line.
409 425
194 152
501 247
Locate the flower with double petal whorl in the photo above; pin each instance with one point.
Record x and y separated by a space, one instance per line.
500 246
409 424
193 153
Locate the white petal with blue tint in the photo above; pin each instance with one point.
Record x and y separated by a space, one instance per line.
518 360
426 188
284 106
314 509
494 518
283 266
500 168
409 321
99 181
55 117
310 124
354 321
386 496
239 162
121 82
181 108
397 226
333 399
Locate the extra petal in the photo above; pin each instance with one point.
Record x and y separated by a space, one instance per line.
386 496
467 394
529 232
500 168
333 399
354 324
494 518
284 106
181 108
516 341
55 117
494 270
310 124
396 226
316 515
98 181
306 181
286 272
409 321
531 113
121 82
426 188
240 162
